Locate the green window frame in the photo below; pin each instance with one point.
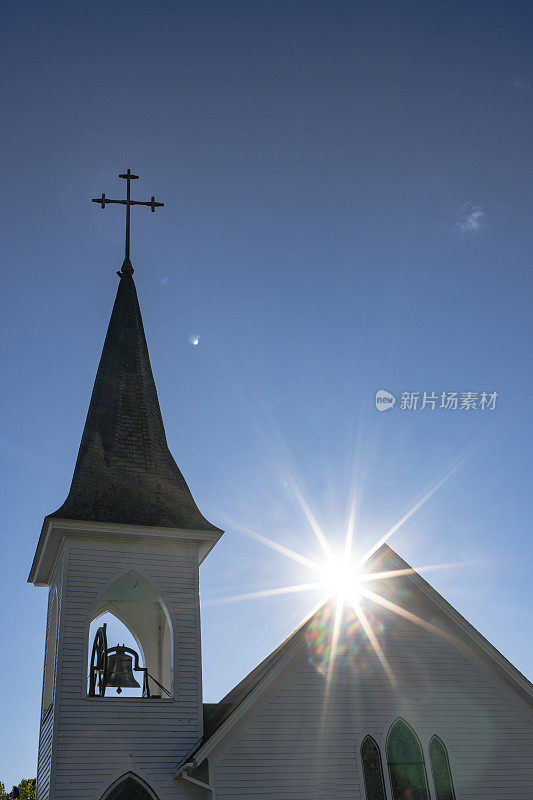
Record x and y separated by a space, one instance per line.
405 759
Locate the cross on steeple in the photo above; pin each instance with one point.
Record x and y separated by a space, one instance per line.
127 268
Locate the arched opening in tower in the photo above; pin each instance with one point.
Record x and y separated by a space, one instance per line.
135 619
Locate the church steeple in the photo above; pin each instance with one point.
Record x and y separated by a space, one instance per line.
125 472
126 544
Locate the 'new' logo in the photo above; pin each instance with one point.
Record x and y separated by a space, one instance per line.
384 400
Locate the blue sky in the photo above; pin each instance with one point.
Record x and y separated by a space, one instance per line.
347 192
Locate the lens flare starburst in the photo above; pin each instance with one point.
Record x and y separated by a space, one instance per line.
345 585
342 579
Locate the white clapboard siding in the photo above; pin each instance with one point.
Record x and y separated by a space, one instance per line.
300 741
96 740
45 757
44 760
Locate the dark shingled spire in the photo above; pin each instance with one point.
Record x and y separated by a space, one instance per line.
125 472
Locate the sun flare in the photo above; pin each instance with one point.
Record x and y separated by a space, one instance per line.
347 579
342 579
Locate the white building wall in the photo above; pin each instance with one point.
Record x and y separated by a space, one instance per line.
96 740
44 760
301 741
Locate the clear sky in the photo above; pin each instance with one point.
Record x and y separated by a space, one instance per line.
348 208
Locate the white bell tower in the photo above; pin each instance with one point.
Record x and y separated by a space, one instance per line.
127 542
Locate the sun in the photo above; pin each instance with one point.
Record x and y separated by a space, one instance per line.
341 578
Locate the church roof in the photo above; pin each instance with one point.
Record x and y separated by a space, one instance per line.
220 717
216 713
125 472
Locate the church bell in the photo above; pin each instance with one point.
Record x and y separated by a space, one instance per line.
120 670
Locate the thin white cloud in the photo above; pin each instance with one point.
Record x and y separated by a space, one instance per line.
470 219
521 84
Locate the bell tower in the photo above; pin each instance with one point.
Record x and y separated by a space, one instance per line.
128 541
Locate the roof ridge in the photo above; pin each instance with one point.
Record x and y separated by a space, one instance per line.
217 713
519 686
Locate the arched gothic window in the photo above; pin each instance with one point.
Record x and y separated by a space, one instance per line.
405 759
50 658
135 617
372 770
440 767
129 788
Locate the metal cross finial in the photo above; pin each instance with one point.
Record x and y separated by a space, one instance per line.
127 269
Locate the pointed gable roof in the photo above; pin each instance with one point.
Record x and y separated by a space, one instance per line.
219 718
125 472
